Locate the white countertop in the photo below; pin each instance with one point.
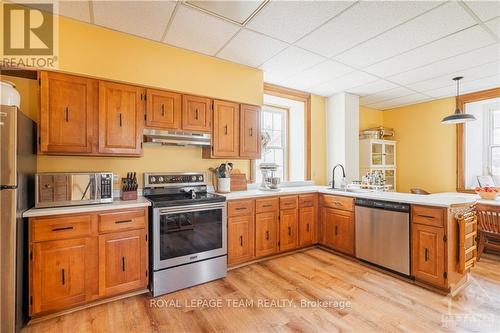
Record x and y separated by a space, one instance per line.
116 204
448 199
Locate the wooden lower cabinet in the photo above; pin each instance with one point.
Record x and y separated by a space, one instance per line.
307 226
63 273
123 262
266 234
74 261
289 229
240 239
428 254
338 229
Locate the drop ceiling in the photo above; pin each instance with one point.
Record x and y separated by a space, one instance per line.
390 53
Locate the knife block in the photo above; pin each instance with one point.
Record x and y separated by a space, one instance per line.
128 195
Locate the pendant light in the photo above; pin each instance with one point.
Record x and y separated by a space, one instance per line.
459 117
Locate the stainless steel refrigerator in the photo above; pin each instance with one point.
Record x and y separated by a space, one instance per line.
17 169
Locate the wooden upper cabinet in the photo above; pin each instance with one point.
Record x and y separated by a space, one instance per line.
226 131
123 262
196 113
63 273
428 254
163 110
68 113
250 141
121 112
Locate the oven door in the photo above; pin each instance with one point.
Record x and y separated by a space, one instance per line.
187 234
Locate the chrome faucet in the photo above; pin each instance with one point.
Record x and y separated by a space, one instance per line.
333 174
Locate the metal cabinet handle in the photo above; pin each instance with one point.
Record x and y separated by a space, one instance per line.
267 235
336 230
426 216
307 227
62 228
196 114
267 206
241 240
289 231
163 110
66 114
120 119
251 131
426 254
123 264
225 130
63 277
240 208
123 221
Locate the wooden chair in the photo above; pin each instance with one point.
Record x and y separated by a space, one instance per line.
488 228
417 190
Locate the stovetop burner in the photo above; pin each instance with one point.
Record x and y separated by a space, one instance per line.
178 189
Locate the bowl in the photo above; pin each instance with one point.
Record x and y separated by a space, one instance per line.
488 195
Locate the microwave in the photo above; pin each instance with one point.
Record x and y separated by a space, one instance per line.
60 189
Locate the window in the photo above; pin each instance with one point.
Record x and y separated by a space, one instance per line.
274 123
482 142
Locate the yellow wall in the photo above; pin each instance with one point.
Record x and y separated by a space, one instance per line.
318 140
370 117
426 155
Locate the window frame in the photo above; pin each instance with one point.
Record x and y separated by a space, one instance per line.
284 138
460 131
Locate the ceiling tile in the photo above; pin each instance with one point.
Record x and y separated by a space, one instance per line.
475 85
455 44
290 20
419 31
257 48
485 10
494 25
147 19
343 83
200 32
476 57
361 22
469 74
386 95
372 88
401 101
236 11
78 10
289 62
317 74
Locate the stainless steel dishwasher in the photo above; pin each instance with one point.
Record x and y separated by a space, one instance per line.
383 234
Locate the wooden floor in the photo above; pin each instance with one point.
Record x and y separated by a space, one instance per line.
378 302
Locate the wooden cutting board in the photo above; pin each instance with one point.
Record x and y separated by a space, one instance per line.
238 182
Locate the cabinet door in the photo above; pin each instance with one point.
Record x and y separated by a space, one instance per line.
266 233
428 251
389 154
377 154
123 262
226 132
121 112
68 113
250 146
64 273
196 113
289 229
307 226
338 230
240 239
163 110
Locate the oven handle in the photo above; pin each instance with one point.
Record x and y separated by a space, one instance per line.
190 208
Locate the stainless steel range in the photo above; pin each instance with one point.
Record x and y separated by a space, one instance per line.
188 229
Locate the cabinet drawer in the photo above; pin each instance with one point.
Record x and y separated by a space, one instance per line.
337 202
122 220
306 200
266 205
240 208
433 216
288 202
61 227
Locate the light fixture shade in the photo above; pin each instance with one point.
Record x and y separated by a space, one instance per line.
458 118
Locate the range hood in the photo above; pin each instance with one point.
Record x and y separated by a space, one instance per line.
177 138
